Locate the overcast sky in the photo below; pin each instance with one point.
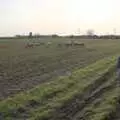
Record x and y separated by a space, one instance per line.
58 16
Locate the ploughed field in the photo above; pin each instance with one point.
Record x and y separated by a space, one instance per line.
57 82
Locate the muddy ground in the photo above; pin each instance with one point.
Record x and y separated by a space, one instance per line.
74 109
24 73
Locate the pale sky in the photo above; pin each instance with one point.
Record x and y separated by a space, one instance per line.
59 16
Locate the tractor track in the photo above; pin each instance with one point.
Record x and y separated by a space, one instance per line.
72 109
93 99
115 115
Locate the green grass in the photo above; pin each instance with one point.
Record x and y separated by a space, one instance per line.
101 108
106 107
61 90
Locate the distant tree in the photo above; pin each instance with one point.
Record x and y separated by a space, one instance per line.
30 34
17 36
54 36
71 36
90 32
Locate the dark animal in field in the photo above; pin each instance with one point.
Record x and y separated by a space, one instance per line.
68 44
29 46
74 44
42 43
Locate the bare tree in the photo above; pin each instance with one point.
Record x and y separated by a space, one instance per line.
90 32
